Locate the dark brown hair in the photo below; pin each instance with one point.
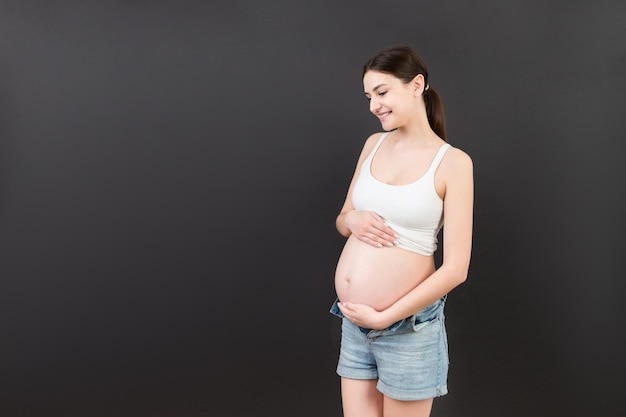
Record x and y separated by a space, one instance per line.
404 63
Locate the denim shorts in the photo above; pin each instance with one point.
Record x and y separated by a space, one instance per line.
409 358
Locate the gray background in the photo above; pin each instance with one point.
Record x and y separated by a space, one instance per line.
170 173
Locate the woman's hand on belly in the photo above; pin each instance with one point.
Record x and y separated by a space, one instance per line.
365 316
370 228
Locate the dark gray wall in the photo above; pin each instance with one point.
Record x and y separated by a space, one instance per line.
170 173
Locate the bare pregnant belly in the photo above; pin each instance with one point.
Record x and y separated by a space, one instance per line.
378 277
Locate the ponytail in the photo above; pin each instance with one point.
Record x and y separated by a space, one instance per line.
434 111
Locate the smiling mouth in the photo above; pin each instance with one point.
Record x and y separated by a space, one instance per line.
383 116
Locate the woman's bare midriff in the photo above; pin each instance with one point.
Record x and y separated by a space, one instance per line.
378 277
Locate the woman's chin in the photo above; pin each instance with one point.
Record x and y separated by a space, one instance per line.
388 127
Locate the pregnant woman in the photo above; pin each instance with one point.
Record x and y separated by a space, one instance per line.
408 183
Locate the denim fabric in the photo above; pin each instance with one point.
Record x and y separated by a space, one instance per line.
409 358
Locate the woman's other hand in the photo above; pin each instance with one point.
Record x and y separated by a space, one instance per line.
364 316
370 228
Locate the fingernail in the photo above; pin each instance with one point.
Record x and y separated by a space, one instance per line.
389 244
380 246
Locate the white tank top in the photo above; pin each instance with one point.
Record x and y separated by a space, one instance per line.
414 211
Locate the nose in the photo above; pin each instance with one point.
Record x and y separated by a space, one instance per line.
374 105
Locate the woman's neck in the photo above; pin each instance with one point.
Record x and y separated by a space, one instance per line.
415 135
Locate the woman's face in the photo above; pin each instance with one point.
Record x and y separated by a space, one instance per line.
391 100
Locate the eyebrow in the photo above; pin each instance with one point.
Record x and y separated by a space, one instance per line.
376 88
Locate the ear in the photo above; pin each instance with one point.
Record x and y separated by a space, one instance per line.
418 84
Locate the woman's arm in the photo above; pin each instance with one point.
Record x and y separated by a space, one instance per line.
364 225
457 243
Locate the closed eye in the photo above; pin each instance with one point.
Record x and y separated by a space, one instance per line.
379 93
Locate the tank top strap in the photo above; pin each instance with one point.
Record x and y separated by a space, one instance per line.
380 140
438 158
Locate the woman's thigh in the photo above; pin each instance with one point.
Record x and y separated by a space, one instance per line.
360 398
397 408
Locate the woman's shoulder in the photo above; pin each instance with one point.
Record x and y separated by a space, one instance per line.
372 140
375 137
457 160
368 146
